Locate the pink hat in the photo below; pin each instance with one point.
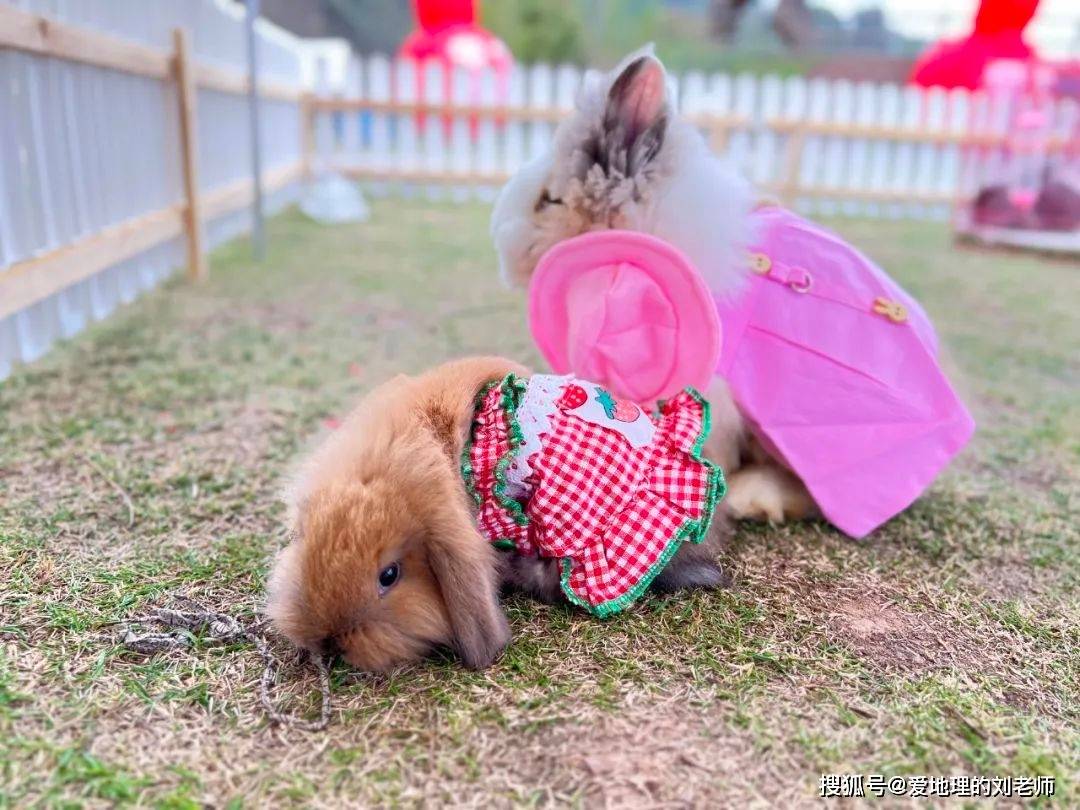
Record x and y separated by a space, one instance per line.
626 310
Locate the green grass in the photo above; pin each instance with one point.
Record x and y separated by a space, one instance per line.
142 461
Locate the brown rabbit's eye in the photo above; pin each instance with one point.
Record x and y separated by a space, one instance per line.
389 575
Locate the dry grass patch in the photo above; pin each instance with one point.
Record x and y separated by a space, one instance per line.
141 462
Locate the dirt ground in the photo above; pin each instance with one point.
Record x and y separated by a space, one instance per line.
141 462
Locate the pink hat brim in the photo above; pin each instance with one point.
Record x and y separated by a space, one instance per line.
593 265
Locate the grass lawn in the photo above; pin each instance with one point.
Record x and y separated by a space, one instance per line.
142 460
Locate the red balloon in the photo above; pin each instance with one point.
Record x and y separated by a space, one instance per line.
1001 16
997 33
449 35
435 14
448 32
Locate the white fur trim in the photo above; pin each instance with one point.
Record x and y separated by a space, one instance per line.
702 206
511 219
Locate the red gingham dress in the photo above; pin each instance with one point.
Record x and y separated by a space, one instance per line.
614 513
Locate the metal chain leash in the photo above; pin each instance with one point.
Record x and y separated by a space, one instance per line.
179 626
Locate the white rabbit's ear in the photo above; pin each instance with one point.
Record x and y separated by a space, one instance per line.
637 99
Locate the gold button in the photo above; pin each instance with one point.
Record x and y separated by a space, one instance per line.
760 263
893 310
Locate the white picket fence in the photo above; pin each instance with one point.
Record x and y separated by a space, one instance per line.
827 147
85 147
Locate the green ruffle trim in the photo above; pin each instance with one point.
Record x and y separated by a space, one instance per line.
693 531
717 482
513 389
467 472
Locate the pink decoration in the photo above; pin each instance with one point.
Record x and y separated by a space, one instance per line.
625 309
997 33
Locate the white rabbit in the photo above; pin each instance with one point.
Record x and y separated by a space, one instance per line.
622 160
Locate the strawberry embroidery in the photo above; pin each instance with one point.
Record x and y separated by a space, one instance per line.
626 411
573 396
621 410
611 500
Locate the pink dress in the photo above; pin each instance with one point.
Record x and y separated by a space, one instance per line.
836 368
559 468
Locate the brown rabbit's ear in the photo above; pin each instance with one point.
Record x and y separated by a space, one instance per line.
466 567
463 561
284 599
635 116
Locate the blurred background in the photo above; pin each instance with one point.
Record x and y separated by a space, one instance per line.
960 111
858 38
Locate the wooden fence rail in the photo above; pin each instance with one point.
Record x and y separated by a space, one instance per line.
25 282
107 159
37 34
827 146
909 134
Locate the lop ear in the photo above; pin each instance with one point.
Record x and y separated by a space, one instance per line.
466 567
463 561
284 595
636 111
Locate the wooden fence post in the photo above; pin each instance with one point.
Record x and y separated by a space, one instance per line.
792 168
183 69
718 135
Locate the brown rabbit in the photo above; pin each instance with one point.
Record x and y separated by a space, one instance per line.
386 561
